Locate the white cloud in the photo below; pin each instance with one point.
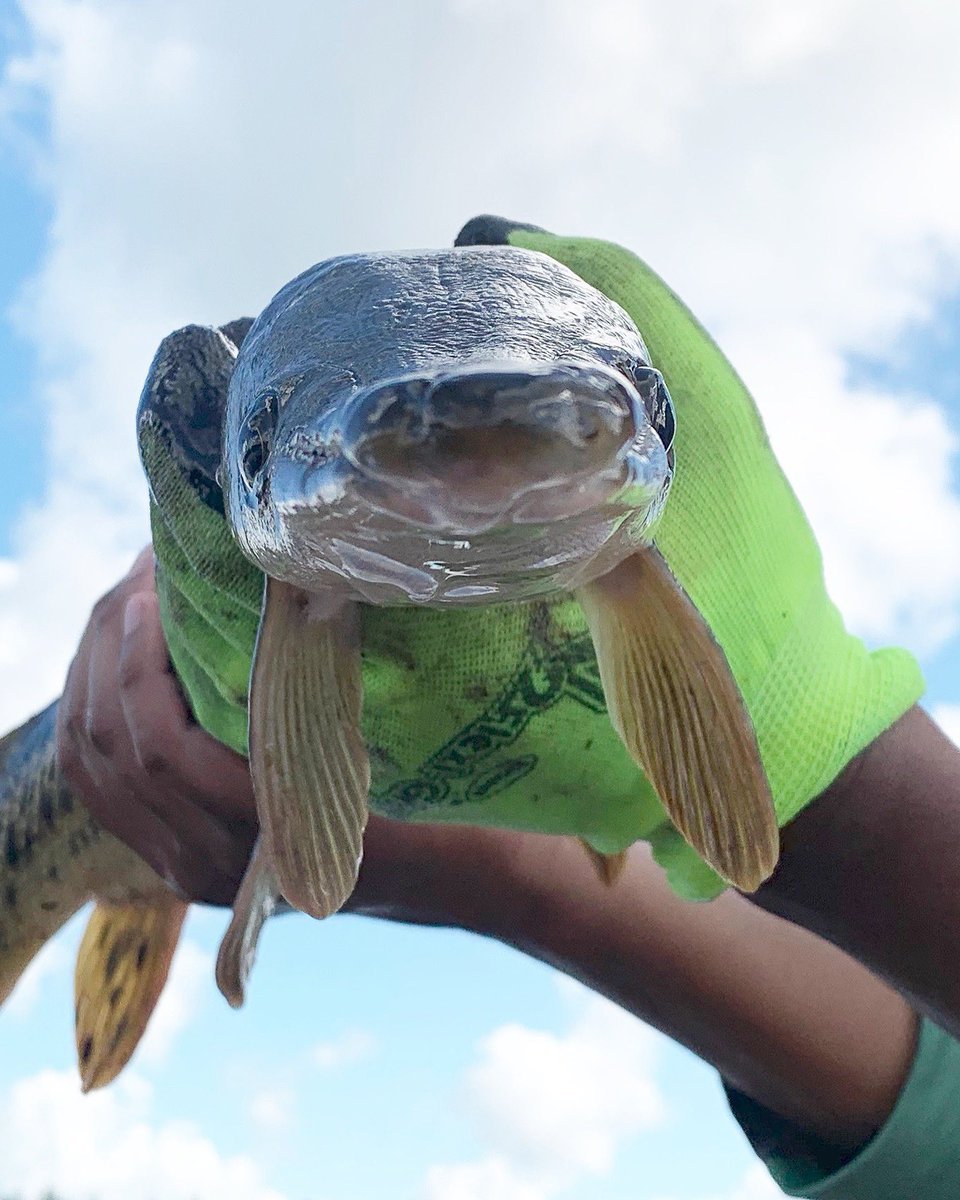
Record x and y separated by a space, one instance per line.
555 1107
755 1185
566 1101
491 1176
52 1138
273 1109
864 463
354 1045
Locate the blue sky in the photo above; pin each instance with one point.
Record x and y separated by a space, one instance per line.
25 215
161 163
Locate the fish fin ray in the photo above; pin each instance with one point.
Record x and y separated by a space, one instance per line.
308 758
675 704
255 902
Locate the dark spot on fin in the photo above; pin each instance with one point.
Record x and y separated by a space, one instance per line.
113 961
118 1033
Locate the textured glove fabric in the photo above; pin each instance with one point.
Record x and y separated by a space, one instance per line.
736 538
495 715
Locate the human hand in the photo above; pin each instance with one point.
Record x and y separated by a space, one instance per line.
184 802
129 747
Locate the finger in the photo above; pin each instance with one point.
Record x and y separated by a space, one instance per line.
141 801
143 565
104 728
129 821
71 710
165 738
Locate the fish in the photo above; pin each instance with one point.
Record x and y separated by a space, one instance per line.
429 431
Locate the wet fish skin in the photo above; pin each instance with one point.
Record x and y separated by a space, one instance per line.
54 856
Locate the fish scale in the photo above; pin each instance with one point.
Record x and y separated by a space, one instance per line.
55 855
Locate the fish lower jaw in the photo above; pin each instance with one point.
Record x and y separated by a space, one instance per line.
431 572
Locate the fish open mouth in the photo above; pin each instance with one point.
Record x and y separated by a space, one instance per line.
465 451
502 481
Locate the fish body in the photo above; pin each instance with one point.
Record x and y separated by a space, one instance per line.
418 494
53 854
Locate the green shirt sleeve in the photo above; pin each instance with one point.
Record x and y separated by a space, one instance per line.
916 1154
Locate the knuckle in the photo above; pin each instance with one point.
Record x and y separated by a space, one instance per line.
153 759
130 672
105 608
73 731
100 736
183 870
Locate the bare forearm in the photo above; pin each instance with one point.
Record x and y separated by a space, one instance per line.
786 1018
874 866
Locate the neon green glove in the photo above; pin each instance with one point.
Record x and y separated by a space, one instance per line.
737 540
496 716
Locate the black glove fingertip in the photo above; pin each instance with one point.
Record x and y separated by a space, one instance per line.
487 230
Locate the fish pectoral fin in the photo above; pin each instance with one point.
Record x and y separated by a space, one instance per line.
122 966
308 759
608 866
255 901
673 700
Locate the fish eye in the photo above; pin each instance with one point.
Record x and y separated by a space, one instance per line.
666 422
653 391
657 403
256 438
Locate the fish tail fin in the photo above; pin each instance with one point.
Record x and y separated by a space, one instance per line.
122 966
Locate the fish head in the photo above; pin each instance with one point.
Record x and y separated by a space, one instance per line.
460 426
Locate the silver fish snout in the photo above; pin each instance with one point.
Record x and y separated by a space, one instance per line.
465 448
